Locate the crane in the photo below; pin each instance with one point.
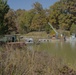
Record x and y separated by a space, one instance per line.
54 30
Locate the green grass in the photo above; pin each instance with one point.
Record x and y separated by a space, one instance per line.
37 35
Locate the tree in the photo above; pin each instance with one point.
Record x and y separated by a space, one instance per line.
62 14
3 10
73 29
10 21
54 13
39 19
67 13
47 29
38 8
65 21
28 19
20 20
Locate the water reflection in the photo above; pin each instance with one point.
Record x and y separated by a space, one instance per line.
53 45
73 44
56 45
65 50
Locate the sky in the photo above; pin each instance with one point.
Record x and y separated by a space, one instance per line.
27 4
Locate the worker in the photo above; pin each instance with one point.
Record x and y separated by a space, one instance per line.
64 38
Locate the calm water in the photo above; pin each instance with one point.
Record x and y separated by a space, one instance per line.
64 50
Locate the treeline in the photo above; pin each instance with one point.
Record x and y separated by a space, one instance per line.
62 15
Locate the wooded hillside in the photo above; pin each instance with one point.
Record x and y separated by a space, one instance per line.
62 15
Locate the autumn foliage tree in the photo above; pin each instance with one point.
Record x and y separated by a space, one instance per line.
62 14
39 19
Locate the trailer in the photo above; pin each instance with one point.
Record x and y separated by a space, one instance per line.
11 40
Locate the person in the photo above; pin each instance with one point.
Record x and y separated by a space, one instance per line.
64 38
13 39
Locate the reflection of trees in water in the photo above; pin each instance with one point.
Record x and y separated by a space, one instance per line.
59 45
55 46
73 44
62 45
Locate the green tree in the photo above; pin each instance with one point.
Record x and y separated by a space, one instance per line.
24 19
38 8
3 10
28 19
10 21
54 13
20 20
66 19
73 29
47 29
39 19
62 14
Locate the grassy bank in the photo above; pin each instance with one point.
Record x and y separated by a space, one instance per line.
26 62
37 35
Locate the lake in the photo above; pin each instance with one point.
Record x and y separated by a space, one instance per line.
63 50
